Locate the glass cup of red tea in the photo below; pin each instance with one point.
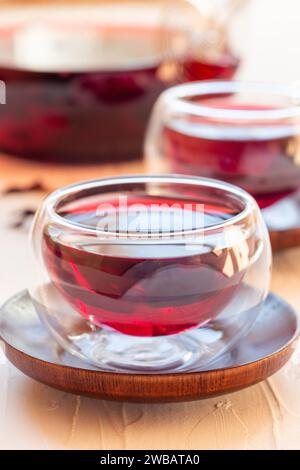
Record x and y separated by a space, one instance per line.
81 80
150 273
243 133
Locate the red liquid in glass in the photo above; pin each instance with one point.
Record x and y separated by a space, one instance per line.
261 157
96 115
222 69
143 290
72 116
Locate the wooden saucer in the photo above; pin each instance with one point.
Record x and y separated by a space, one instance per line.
283 239
266 349
283 222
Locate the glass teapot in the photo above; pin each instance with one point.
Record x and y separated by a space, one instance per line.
81 79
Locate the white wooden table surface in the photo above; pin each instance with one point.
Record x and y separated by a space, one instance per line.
265 416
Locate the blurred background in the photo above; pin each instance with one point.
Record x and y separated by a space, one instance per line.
67 108
271 36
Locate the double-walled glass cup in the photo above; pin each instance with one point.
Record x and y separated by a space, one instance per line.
245 133
150 273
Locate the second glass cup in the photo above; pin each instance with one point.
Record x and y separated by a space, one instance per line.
150 273
241 132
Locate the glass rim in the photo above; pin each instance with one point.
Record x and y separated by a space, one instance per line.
41 16
177 95
56 197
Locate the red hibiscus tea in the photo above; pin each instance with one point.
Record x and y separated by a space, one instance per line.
250 144
147 289
149 272
222 67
